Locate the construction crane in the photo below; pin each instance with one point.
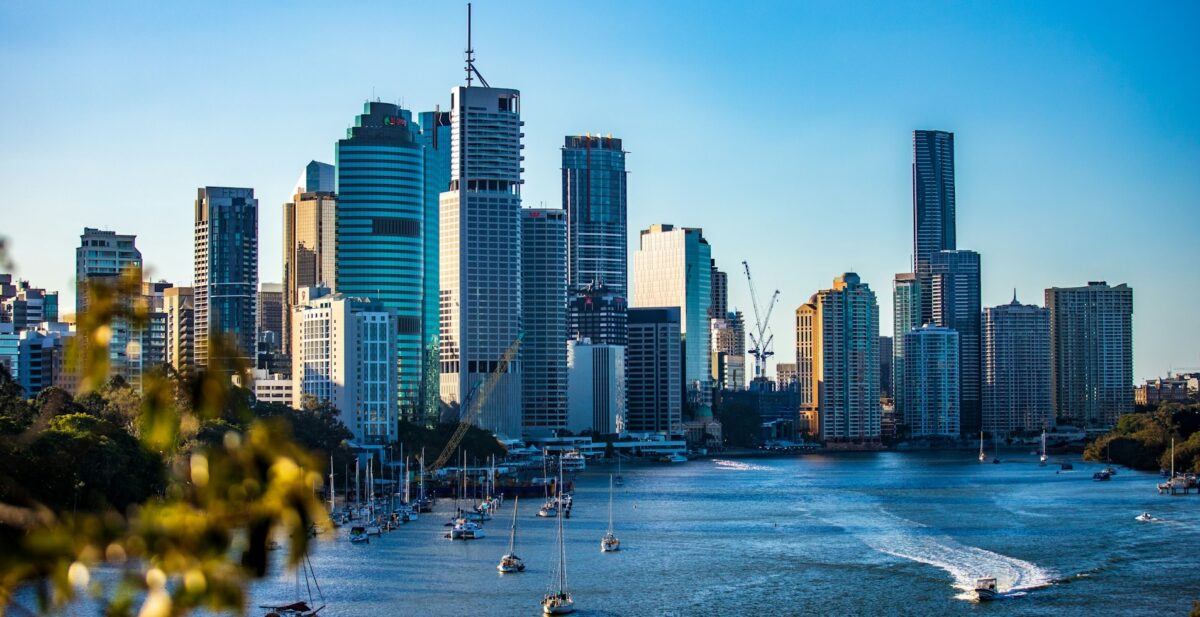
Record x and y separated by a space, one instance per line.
473 402
761 349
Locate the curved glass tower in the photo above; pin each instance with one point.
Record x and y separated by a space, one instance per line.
381 213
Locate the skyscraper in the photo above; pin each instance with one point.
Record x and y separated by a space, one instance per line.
594 197
595 387
480 257
381 217
269 321
654 371
933 206
672 267
317 177
225 274
1016 369
956 304
729 351
544 308
906 315
837 334
435 136
309 249
1091 339
932 397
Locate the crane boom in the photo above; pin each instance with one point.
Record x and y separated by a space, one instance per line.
761 349
474 402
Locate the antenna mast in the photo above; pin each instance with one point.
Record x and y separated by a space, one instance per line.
470 55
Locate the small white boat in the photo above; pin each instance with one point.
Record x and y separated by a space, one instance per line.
466 530
985 589
1145 517
549 509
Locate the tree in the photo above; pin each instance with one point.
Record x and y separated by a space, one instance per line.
199 534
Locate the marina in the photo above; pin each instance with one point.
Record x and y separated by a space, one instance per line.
917 530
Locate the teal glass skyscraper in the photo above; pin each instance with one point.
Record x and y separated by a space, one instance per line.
593 185
435 137
381 222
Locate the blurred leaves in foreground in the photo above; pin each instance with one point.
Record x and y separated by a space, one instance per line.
179 489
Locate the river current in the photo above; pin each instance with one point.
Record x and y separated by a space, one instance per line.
846 534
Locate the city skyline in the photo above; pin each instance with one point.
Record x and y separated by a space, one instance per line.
1040 192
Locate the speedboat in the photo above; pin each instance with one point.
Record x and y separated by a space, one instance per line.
358 535
1145 517
466 530
609 543
985 589
558 604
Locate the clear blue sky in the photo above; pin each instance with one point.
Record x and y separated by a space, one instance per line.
783 131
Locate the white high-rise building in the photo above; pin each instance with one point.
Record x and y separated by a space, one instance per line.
343 351
1016 369
480 253
931 398
595 387
673 267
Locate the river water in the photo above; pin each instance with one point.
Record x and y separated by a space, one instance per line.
846 534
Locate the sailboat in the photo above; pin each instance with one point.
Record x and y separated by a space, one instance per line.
982 456
620 480
300 608
1042 458
559 601
510 563
609 543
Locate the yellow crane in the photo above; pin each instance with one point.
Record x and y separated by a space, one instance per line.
474 402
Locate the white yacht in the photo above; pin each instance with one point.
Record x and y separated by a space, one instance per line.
609 543
985 589
1145 517
510 563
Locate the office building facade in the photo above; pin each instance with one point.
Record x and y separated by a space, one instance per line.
544 308
598 313
480 256
1016 369
309 246
672 267
596 388
954 277
226 276
931 405
594 197
1091 349
654 371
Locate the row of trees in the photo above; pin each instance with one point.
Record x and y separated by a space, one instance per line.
1142 440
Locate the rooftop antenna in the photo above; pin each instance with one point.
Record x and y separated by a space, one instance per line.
470 68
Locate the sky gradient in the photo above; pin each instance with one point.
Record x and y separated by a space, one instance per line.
783 130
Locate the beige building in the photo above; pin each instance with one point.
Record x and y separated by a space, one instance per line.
178 304
309 227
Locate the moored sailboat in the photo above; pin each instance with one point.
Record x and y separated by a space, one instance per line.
510 563
559 601
609 543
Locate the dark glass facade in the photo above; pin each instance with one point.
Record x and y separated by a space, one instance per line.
594 197
933 205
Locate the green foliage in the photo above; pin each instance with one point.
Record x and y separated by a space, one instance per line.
741 425
179 488
1143 440
477 443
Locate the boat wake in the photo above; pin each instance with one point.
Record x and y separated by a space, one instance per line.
739 466
898 537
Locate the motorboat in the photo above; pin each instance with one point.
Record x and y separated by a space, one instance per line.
1145 517
1101 476
466 530
510 563
674 458
358 535
985 589
1110 471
